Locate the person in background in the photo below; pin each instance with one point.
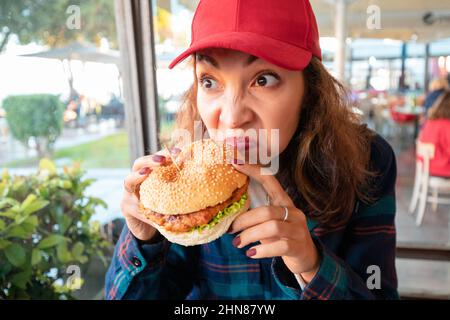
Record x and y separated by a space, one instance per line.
436 130
436 88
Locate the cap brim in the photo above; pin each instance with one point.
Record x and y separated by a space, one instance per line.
279 53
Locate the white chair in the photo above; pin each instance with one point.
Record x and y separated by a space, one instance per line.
423 182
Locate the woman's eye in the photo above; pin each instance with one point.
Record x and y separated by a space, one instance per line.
266 80
208 83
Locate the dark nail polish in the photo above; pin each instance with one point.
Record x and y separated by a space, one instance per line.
237 241
158 158
251 252
144 171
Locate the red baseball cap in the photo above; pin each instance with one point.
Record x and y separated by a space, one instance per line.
282 32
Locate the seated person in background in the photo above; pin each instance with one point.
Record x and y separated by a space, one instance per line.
437 88
437 131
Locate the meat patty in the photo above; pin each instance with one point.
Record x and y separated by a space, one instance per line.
185 222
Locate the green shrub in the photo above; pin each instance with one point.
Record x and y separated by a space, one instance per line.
38 116
46 232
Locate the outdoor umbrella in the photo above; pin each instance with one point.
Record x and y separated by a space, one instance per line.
84 52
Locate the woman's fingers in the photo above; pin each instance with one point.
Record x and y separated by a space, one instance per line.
156 159
262 214
149 161
130 208
268 229
275 191
133 180
281 247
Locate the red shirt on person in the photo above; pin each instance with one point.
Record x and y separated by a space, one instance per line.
437 132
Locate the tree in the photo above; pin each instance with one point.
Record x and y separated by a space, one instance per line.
44 22
38 117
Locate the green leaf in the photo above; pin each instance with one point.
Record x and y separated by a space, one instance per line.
46 164
51 241
2 225
36 206
8 214
36 257
87 183
4 243
29 228
77 251
33 221
15 254
63 253
29 200
21 232
64 223
8 201
21 279
65 184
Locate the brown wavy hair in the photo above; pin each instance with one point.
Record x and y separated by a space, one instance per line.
442 110
325 167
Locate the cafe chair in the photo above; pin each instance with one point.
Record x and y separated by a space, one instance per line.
423 182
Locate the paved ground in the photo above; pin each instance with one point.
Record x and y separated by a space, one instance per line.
11 149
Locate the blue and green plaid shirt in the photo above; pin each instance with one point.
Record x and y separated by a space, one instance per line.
218 270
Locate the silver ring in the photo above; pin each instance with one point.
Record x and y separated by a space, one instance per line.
286 213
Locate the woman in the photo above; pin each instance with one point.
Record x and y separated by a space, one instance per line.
437 88
257 65
437 131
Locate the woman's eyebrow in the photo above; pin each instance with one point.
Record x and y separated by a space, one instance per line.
210 60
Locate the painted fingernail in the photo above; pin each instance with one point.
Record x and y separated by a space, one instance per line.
158 158
237 241
251 252
238 162
175 150
230 229
144 171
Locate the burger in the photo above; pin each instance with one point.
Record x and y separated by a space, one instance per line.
194 199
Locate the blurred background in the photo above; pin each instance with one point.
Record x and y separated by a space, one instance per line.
86 85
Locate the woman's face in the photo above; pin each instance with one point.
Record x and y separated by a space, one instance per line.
238 92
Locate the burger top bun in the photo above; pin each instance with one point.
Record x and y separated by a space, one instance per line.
202 179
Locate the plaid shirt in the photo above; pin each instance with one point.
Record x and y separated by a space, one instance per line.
218 270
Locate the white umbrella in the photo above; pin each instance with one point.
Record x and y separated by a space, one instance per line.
84 52
80 51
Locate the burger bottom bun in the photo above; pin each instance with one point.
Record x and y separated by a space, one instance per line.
200 237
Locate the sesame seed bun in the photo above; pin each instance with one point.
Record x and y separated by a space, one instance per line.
204 180
200 179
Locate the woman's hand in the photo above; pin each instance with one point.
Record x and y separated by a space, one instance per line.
142 167
289 239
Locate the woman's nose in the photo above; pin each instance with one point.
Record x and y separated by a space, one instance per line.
234 113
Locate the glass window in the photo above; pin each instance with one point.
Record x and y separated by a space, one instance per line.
61 98
172 24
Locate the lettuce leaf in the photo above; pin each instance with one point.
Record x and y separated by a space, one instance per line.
232 208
